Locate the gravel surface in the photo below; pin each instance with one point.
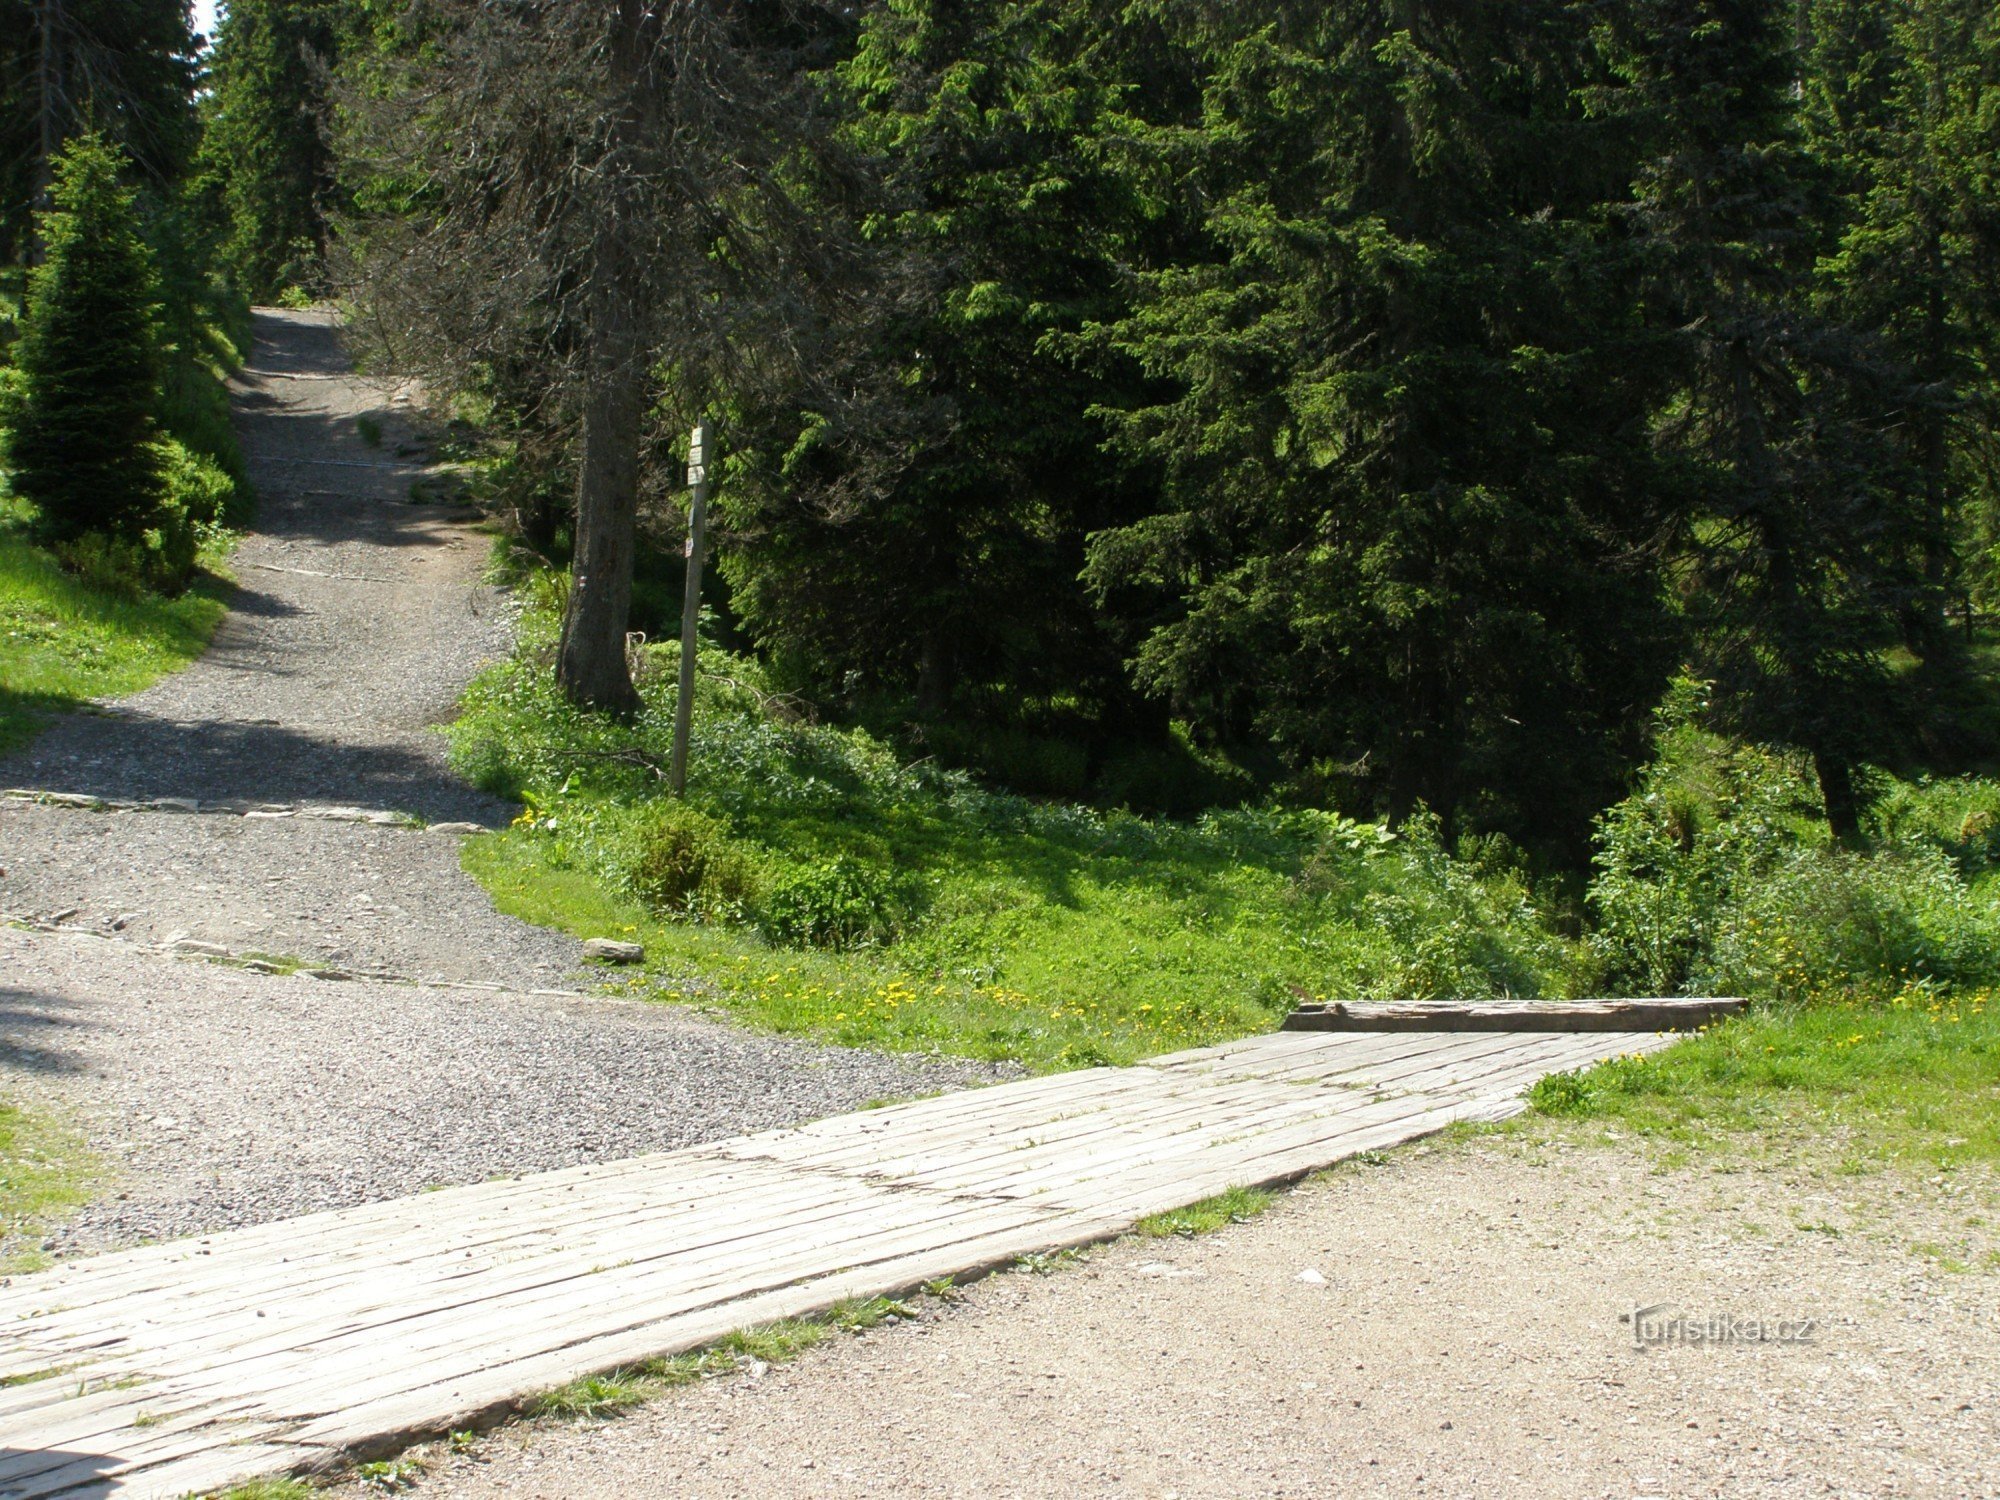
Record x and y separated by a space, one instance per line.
220 1098
223 1097
360 618
1462 1339
334 893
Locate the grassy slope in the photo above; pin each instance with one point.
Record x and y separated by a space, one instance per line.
1053 935
1914 1081
1044 951
64 642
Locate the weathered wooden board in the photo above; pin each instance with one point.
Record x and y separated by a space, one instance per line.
1512 1015
190 1366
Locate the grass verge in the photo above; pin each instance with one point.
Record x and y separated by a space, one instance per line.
813 883
1236 1206
65 641
44 1170
1914 1081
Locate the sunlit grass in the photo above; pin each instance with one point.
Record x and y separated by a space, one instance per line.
44 1171
1235 1206
64 641
1913 1079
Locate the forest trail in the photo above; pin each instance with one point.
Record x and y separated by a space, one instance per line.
360 617
222 1098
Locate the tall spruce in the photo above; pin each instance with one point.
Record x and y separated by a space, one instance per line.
1802 523
1409 537
81 445
123 68
1904 113
267 153
913 521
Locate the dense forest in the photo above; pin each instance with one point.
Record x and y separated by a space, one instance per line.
1544 428
1172 403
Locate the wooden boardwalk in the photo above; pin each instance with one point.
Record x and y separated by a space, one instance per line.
188 1367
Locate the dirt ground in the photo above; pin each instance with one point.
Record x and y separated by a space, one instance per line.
1447 1323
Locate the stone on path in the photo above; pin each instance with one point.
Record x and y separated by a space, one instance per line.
613 951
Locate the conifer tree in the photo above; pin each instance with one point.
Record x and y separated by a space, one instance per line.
266 148
81 444
926 537
1904 112
124 68
1408 538
1801 524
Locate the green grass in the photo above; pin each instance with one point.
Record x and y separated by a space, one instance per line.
1051 934
64 641
606 1395
1235 1206
44 1170
270 1489
1912 1081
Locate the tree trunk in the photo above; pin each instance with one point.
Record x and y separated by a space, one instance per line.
51 112
591 668
936 675
1836 790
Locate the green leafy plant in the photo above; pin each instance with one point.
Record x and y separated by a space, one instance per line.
687 865
837 905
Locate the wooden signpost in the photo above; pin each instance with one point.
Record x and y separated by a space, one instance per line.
698 458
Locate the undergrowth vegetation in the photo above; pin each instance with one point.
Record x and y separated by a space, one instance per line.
814 882
70 635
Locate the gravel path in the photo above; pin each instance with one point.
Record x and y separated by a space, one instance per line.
226 1098
1462 1339
220 1098
360 618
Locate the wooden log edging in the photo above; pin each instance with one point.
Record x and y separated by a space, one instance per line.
1659 1014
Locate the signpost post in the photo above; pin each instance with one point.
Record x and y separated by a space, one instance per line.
698 457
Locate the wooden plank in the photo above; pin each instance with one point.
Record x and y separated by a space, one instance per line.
1513 1015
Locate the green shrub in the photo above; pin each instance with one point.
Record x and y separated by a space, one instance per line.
1830 922
1457 932
839 904
1960 815
686 865
1708 818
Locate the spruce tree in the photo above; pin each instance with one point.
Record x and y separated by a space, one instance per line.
1802 522
82 441
266 150
1904 110
125 68
1408 538
914 521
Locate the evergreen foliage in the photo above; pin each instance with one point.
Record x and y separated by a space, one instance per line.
1408 539
82 434
123 68
266 152
1801 528
913 523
